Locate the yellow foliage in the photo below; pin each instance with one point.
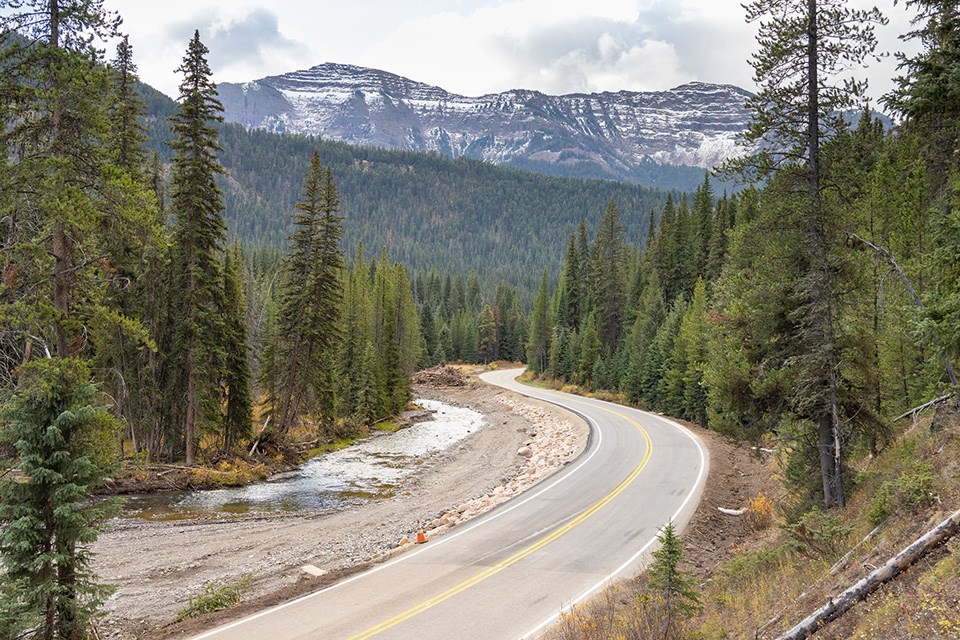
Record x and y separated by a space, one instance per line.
760 512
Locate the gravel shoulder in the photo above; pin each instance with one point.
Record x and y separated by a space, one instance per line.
158 566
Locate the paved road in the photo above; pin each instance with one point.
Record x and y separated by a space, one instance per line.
509 573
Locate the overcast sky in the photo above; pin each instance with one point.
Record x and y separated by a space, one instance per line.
470 47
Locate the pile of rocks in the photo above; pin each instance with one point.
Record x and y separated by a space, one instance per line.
553 442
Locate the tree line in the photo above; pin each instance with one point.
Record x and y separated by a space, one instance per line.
817 303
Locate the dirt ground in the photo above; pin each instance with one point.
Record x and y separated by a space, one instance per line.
158 566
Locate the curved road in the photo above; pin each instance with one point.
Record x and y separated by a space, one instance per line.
508 574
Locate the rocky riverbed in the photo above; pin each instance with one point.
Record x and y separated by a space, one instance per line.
158 566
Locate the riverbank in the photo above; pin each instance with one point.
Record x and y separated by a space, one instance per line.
158 566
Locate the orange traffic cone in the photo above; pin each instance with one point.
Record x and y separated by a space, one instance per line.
421 536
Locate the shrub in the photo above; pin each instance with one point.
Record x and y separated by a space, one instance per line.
760 512
911 491
819 534
215 597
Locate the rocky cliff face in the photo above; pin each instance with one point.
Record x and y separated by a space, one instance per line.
604 135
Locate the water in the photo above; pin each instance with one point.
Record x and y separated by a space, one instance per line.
370 470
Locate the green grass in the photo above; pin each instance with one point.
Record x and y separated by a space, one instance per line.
215 596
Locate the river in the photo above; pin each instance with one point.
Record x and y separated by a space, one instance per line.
369 470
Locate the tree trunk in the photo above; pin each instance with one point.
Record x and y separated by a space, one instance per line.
837 606
189 415
829 437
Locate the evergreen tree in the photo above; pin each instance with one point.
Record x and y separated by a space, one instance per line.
52 95
309 305
538 345
608 276
702 228
571 282
48 521
801 47
685 380
198 236
487 328
236 374
127 109
590 348
677 591
928 94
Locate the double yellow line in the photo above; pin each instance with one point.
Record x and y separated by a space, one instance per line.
520 555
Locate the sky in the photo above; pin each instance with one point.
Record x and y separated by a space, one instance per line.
472 47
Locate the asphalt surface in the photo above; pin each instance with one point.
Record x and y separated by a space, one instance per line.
509 573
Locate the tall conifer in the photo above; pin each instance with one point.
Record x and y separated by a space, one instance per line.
198 237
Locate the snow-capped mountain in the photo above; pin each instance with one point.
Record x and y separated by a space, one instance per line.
605 135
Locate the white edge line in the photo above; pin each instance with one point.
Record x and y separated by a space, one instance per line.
609 578
484 520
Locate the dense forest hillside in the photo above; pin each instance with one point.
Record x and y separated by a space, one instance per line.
429 211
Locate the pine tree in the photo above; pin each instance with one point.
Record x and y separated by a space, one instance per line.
52 97
676 590
538 345
801 46
236 374
309 306
48 521
198 238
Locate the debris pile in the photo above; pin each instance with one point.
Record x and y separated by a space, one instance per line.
440 376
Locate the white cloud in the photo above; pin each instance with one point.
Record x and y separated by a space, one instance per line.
469 46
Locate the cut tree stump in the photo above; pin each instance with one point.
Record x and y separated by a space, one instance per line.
838 605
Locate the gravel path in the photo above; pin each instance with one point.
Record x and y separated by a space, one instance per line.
158 566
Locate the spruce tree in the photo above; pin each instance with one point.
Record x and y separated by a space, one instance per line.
676 590
487 329
126 113
608 277
310 303
199 233
538 345
61 434
236 376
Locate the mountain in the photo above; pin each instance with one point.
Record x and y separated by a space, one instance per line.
429 211
624 135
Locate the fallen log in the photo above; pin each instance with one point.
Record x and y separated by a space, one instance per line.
913 412
839 604
731 512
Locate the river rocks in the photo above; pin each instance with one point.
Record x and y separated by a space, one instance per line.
553 443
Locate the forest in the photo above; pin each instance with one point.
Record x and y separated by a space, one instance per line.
814 305
432 212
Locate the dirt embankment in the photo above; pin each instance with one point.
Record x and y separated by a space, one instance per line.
158 566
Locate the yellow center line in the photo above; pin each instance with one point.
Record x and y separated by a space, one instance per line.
520 555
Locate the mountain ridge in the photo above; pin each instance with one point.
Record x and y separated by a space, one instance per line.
607 135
